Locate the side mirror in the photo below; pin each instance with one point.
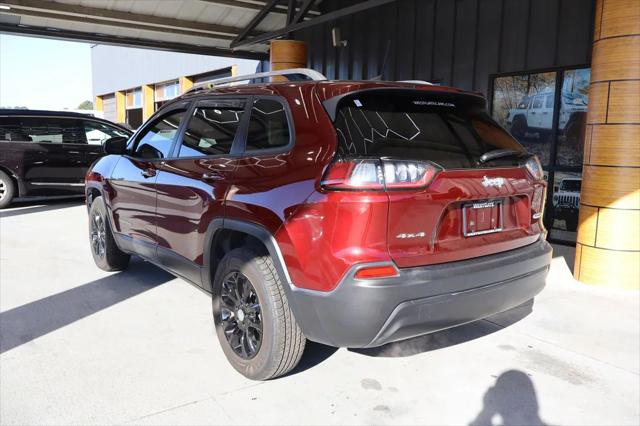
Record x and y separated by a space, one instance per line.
116 145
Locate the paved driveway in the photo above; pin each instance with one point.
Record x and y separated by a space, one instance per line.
81 346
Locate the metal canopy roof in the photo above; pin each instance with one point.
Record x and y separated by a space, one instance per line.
236 28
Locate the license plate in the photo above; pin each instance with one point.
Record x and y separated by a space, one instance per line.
482 217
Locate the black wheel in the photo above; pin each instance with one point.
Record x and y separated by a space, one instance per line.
104 250
255 326
7 190
518 128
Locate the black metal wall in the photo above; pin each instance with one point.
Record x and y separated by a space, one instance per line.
453 42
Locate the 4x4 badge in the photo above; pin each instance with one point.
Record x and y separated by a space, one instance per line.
487 182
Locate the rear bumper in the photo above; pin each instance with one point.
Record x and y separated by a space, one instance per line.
367 313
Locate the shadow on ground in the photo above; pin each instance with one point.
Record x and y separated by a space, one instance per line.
28 322
23 208
449 337
511 401
316 353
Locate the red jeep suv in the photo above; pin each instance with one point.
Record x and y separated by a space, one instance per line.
350 213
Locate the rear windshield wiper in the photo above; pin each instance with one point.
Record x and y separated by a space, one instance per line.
498 153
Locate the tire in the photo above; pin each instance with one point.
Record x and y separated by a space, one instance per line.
518 128
7 190
261 306
104 250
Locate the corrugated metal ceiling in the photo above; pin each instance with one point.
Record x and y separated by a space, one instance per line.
170 24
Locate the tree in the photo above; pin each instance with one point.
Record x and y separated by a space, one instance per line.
86 105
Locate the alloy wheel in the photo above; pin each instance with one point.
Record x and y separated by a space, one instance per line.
3 189
98 235
240 315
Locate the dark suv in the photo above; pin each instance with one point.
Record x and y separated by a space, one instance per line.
351 213
47 153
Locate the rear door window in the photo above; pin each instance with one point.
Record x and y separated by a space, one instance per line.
451 130
156 140
268 126
212 130
43 130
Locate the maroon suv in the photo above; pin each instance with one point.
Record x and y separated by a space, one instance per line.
351 213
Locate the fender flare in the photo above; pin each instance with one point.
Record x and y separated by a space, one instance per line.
306 315
249 228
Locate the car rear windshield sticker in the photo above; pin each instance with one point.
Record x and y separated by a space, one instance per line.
434 103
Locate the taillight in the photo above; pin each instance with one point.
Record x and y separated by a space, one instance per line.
368 174
537 202
534 167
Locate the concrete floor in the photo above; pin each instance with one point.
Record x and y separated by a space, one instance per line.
81 346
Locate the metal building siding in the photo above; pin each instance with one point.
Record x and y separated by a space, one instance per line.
109 107
116 68
453 42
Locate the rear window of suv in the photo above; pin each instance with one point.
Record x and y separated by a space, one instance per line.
449 129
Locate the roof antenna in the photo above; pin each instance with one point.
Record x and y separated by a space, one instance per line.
384 63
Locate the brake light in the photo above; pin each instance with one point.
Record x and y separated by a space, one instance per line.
537 203
534 167
373 272
369 174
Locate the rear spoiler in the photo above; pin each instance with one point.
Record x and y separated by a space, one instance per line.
331 105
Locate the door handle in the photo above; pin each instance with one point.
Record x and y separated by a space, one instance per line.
147 173
212 176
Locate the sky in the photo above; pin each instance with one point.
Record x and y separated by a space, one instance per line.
39 73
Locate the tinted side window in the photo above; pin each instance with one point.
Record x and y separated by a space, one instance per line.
43 130
211 131
155 141
268 127
11 130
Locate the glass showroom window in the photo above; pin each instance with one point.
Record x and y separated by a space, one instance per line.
546 112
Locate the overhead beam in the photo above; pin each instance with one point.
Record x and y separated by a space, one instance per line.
119 24
302 12
127 41
326 17
251 5
65 10
256 20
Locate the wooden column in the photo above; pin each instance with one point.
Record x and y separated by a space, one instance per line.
121 110
286 54
148 106
608 248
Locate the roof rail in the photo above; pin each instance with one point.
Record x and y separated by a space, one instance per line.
415 82
307 72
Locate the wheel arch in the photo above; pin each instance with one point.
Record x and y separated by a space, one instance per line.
16 181
224 235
